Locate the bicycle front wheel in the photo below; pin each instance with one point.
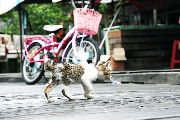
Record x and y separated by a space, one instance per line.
86 49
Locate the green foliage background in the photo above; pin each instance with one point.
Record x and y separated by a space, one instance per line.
44 14
39 15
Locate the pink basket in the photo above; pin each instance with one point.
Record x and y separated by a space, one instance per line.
86 21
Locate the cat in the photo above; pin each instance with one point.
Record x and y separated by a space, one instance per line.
83 74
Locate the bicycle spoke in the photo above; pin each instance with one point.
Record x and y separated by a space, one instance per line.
85 50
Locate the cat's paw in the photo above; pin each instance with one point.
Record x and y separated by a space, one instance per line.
72 99
89 96
50 101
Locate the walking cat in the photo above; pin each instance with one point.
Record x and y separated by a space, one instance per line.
83 74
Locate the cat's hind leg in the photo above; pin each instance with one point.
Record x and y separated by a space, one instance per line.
87 87
65 92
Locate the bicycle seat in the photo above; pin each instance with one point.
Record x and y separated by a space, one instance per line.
52 28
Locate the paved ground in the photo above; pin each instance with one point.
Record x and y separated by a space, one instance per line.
19 101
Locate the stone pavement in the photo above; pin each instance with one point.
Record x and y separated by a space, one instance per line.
19 101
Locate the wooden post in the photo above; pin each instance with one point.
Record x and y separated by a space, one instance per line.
21 31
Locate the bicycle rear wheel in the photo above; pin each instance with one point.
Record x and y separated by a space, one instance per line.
33 72
87 49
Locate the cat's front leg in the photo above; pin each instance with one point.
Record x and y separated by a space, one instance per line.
52 84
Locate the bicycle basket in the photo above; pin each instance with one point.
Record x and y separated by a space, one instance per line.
86 21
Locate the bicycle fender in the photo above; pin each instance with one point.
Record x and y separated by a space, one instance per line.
25 52
35 41
38 41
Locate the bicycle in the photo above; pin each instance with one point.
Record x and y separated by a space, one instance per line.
75 47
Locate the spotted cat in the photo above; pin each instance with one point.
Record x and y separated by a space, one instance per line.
83 74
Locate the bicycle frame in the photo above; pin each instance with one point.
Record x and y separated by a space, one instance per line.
48 44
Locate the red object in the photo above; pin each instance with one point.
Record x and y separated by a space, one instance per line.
174 56
86 21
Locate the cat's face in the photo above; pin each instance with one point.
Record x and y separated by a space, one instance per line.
49 65
104 69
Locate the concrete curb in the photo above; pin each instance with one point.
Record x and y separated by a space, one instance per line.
149 78
11 77
165 77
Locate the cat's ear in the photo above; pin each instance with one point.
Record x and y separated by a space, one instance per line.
105 63
46 65
108 65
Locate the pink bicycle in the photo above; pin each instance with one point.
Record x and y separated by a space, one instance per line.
76 46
